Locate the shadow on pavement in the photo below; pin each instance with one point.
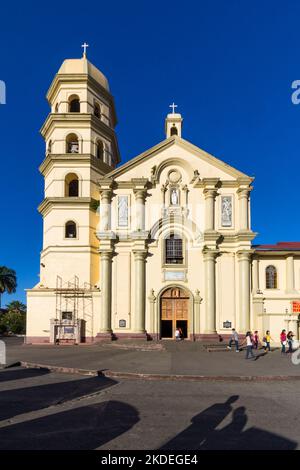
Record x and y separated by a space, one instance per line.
202 433
84 428
18 401
17 374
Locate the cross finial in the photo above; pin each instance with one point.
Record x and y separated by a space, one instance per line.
173 106
84 46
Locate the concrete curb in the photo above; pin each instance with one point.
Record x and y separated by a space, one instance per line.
61 369
139 376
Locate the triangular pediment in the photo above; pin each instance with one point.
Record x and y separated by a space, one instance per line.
180 149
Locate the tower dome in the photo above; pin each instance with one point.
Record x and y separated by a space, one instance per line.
72 67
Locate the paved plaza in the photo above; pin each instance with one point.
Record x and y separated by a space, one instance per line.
41 409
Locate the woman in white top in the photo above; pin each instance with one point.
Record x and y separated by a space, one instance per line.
249 345
177 334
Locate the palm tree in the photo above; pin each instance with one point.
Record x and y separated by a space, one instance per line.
16 306
8 281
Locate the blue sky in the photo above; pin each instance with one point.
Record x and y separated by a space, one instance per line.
228 65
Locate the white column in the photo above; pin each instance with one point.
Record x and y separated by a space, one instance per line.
140 285
290 275
153 322
210 195
106 282
255 275
197 302
244 294
105 210
243 195
209 258
140 195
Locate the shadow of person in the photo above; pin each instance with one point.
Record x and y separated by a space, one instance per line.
84 428
202 425
262 354
228 436
234 436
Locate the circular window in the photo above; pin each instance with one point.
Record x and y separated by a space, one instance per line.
174 176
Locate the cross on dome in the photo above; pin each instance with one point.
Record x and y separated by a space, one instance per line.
84 46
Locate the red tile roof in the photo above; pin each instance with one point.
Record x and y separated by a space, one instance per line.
280 246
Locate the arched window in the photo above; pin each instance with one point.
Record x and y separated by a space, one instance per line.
56 108
70 229
74 104
174 249
97 110
271 277
49 149
174 130
72 143
100 150
71 185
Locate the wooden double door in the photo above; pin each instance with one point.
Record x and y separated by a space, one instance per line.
174 312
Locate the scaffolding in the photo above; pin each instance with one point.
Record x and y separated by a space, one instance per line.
74 303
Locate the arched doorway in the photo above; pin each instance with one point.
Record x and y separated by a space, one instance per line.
174 312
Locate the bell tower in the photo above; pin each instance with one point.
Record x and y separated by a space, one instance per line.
81 146
173 122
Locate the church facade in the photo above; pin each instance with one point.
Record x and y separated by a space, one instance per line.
160 242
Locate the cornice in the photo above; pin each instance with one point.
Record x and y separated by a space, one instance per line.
74 158
69 202
269 253
238 236
60 120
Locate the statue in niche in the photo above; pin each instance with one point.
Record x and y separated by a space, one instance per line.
123 211
174 197
226 211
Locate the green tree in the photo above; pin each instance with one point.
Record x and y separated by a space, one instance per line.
8 281
13 322
16 306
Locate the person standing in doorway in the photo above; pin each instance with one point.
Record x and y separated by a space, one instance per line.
177 334
234 339
283 341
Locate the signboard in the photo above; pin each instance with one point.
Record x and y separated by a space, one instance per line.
69 330
227 324
122 323
296 306
174 276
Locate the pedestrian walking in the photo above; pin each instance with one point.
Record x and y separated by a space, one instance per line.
177 334
234 339
255 339
290 340
181 334
267 341
283 341
249 345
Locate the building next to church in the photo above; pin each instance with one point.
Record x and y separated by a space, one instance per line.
162 241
